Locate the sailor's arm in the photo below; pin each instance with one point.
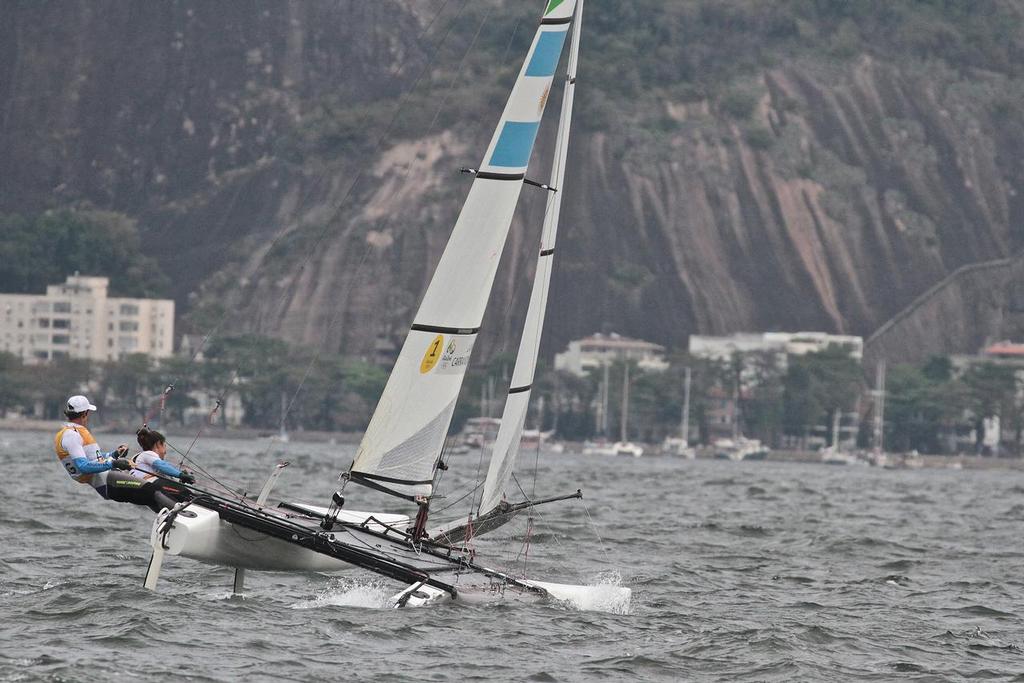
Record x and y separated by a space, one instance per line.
165 468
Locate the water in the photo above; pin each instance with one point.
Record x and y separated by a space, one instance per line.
739 571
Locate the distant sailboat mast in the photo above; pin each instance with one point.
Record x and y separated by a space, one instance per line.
684 430
879 421
623 425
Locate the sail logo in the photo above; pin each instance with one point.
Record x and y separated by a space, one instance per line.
456 357
432 354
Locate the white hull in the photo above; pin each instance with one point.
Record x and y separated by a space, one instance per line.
617 448
199 534
678 448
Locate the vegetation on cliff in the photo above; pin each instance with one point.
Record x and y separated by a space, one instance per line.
42 250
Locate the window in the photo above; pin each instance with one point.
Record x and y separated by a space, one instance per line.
61 339
128 309
43 355
127 343
129 326
60 354
61 324
44 322
110 327
62 307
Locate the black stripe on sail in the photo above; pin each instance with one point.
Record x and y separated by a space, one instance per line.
555 22
488 175
547 252
445 330
391 480
519 390
383 489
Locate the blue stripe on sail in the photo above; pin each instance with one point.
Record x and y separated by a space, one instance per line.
515 144
546 54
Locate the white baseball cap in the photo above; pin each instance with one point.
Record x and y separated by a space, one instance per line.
79 404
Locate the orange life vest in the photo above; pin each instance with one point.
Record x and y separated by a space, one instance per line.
65 458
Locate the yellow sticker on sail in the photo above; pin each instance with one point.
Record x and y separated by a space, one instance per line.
432 355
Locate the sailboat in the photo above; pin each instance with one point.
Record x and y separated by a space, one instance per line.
401 451
282 432
623 446
680 446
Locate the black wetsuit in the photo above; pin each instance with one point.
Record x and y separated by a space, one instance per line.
156 493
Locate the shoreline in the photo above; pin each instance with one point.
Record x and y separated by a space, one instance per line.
898 460
215 431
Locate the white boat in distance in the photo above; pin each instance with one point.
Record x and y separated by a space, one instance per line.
740 448
401 451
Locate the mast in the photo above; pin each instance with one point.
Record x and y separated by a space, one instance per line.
604 399
879 421
402 444
513 417
684 430
625 404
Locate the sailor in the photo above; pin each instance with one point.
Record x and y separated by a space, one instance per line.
145 483
78 451
150 463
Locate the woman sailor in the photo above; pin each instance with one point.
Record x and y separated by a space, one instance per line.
150 468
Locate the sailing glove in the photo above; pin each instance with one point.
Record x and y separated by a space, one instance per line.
121 451
186 478
120 464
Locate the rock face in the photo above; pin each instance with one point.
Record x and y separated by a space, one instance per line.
843 191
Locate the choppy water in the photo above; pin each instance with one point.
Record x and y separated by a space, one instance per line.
739 571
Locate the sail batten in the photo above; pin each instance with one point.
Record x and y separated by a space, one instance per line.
407 431
513 418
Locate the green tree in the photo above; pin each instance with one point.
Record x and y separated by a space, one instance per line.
45 249
991 389
815 385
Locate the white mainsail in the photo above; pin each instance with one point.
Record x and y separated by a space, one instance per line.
506 444
403 441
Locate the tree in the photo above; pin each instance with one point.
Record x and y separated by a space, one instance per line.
815 385
45 249
991 389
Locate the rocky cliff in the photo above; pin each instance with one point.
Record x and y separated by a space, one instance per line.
294 165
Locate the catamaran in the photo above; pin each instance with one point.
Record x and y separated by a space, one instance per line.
401 452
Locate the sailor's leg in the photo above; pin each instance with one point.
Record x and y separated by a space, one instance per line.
126 489
156 499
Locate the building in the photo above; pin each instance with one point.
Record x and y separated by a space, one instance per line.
598 350
780 344
77 319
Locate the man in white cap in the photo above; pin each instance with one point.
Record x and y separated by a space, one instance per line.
78 451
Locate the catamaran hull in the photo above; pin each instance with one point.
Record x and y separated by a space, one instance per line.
200 534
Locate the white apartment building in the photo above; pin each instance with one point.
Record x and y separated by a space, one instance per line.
77 319
598 350
780 344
